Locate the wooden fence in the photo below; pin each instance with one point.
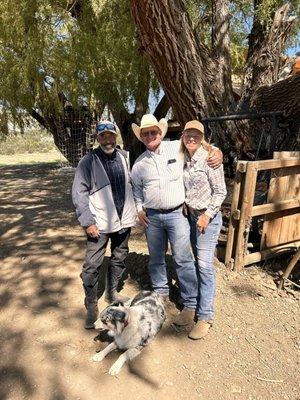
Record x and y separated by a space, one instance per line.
281 230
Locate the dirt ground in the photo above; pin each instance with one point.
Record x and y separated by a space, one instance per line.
252 352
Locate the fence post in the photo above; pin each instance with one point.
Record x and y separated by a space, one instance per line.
233 222
245 216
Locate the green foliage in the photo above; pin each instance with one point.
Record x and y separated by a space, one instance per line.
44 51
49 47
34 141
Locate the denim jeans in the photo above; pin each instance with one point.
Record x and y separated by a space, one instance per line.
204 245
172 226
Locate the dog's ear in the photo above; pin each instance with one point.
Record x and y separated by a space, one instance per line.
119 315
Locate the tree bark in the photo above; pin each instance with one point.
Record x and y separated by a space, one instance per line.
196 80
265 48
166 39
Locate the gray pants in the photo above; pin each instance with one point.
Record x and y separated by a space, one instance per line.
95 252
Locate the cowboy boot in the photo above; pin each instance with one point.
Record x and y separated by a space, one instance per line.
91 314
185 317
200 330
113 277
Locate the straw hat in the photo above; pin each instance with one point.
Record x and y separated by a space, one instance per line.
148 120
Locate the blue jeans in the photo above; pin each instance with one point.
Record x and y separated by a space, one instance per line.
204 245
172 226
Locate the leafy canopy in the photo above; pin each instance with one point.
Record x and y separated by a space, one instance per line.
87 50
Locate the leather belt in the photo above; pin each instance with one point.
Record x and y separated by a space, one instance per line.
165 211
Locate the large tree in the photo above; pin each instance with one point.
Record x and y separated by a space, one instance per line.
62 63
195 70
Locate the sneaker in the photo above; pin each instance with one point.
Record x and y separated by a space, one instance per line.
91 315
200 330
185 317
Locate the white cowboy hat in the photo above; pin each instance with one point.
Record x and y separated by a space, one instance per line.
147 121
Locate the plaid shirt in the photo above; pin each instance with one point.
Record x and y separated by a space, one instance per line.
205 187
114 168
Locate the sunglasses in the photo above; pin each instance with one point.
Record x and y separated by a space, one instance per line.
149 133
189 136
105 127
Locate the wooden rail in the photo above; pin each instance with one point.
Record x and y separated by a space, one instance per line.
243 210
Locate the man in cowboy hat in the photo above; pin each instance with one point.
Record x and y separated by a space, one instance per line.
158 189
105 208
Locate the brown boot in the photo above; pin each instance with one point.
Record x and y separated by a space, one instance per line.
200 330
185 317
91 315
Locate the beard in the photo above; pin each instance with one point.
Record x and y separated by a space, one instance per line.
108 148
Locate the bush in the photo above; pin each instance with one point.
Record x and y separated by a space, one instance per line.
34 141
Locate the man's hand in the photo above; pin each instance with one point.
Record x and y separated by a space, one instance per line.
93 231
202 222
143 218
215 158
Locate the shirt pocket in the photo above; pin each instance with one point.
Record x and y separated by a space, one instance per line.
174 171
198 175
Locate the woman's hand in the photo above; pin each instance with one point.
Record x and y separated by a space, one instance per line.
202 222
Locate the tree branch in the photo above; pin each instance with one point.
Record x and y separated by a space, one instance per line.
162 108
282 96
263 64
38 117
221 49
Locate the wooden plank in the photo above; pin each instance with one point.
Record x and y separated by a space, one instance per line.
270 253
282 226
237 187
274 207
245 218
290 224
275 164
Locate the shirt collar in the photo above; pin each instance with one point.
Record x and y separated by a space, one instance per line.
198 154
159 150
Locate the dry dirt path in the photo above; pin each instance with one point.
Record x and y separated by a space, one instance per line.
252 352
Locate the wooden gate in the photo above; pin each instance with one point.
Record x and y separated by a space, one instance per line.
281 230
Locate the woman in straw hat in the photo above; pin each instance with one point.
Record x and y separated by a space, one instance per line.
205 191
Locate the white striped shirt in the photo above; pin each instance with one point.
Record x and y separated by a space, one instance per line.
157 177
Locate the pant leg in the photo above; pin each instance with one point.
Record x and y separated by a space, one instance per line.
178 230
205 244
95 251
156 240
119 251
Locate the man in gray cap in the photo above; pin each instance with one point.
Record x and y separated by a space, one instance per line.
103 199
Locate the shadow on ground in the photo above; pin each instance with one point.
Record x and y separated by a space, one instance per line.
41 255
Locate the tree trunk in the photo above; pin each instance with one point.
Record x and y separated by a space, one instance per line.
197 80
264 60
